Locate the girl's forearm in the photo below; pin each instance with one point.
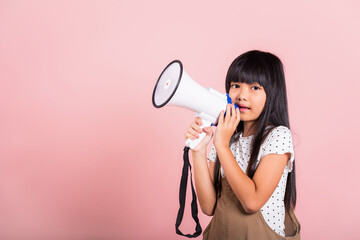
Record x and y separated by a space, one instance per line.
203 183
243 187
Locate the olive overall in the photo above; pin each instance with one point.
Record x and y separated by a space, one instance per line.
231 222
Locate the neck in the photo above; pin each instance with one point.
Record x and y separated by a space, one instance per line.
249 129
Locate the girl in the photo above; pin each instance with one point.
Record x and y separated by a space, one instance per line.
248 185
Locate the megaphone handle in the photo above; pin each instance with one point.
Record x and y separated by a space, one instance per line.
193 143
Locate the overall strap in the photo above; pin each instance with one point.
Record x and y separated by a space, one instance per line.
182 197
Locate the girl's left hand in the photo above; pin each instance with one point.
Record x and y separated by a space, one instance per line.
226 126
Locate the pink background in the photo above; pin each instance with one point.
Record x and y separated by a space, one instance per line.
85 155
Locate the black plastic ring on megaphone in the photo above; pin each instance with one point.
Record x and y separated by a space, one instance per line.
177 84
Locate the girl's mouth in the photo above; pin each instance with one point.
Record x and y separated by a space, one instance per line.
243 108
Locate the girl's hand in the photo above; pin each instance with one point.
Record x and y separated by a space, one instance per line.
226 126
193 133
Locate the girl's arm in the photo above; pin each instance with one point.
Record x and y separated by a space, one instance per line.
203 173
252 193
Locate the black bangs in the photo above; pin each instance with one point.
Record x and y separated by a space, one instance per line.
248 68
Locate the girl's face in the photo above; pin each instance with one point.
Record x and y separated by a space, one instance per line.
250 98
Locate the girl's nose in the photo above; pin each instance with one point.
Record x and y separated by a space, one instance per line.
243 95
242 98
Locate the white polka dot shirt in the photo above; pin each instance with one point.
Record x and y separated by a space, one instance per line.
279 141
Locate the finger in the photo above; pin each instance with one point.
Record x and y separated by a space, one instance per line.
237 116
221 117
191 137
198 121
228 113
196 127
192 134
207 130
233 114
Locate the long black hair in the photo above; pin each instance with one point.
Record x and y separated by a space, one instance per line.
267 70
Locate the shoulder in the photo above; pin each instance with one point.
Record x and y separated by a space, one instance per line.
278 141
280 130
278 133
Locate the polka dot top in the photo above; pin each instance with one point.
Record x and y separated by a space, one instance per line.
279 141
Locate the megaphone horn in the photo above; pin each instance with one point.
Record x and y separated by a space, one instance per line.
175 87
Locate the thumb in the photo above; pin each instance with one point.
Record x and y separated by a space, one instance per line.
208 130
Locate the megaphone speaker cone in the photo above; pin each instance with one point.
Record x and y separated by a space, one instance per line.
167 84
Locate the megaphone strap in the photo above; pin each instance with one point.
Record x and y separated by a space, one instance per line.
182 197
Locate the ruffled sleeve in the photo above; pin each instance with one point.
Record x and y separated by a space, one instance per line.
279 141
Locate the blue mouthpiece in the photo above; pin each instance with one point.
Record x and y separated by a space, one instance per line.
230 101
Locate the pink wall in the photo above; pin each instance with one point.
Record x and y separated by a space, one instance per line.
83 153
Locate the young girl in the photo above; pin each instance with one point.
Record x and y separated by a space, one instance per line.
248 185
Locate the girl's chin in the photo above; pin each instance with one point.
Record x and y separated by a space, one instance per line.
246 119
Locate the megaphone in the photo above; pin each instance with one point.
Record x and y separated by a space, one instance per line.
175 87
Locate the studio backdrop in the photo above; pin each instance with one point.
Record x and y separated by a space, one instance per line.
85 155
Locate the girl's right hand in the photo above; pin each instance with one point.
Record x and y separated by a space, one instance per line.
193 133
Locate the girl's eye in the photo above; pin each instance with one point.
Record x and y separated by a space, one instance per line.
235 86
255 87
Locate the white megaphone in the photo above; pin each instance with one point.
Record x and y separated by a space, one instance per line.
175 87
